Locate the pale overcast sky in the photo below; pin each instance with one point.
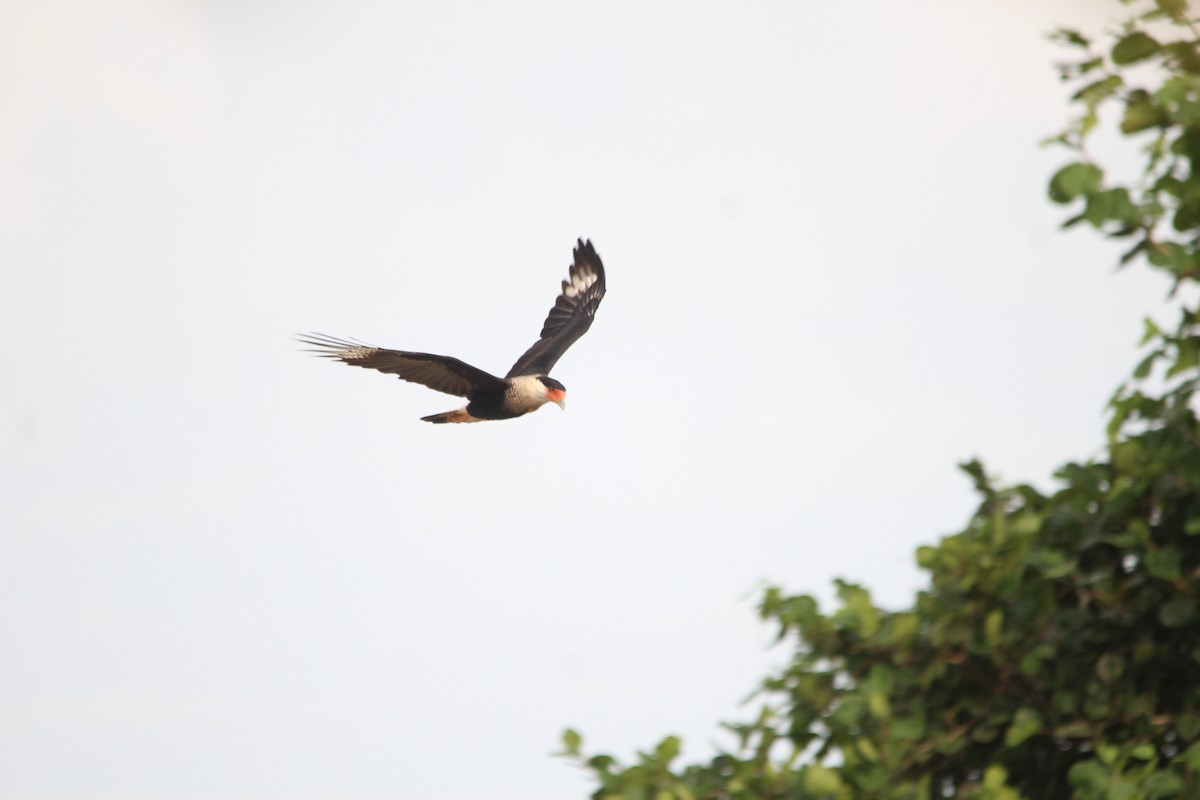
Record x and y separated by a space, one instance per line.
230 570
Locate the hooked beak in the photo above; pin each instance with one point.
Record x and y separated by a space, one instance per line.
558 396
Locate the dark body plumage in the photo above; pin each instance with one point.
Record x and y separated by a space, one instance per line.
525 388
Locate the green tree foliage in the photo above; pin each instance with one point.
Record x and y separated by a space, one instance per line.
1056 652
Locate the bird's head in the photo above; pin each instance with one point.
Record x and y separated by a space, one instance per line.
555 391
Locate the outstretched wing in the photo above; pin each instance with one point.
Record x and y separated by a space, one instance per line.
571 316
440 373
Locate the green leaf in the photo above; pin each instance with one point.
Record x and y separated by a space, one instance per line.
601 763
1188 356
1089 776
1133 252
993 627
1134 47
684 793
1112 205
908 728
1121 789
1175 9
1187 216
1171 185
1168 255
1186 58
878 705
1026 524
1026 723
856 609
1097 92
871 778
1051 563
667 749
1074 730
1187 725
1163 563
1152 331
1192 757
1143 368
571 741
1127 455
1143 752
1074 180
902 628
820 780
1073 221
1071 37
849 711
1162 784
1140 113
1177 612
995 776
880 679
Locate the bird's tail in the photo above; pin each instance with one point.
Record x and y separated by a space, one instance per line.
457 415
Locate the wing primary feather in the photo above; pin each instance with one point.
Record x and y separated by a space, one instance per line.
570 316
440 373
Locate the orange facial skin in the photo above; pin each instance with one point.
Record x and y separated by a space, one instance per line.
556 395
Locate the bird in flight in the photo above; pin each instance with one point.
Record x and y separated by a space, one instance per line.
526 387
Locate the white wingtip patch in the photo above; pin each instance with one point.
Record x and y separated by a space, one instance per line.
579 284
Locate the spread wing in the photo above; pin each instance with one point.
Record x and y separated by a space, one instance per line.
440 373
571 316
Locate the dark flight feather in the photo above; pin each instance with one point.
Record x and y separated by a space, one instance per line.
440 373
571 315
